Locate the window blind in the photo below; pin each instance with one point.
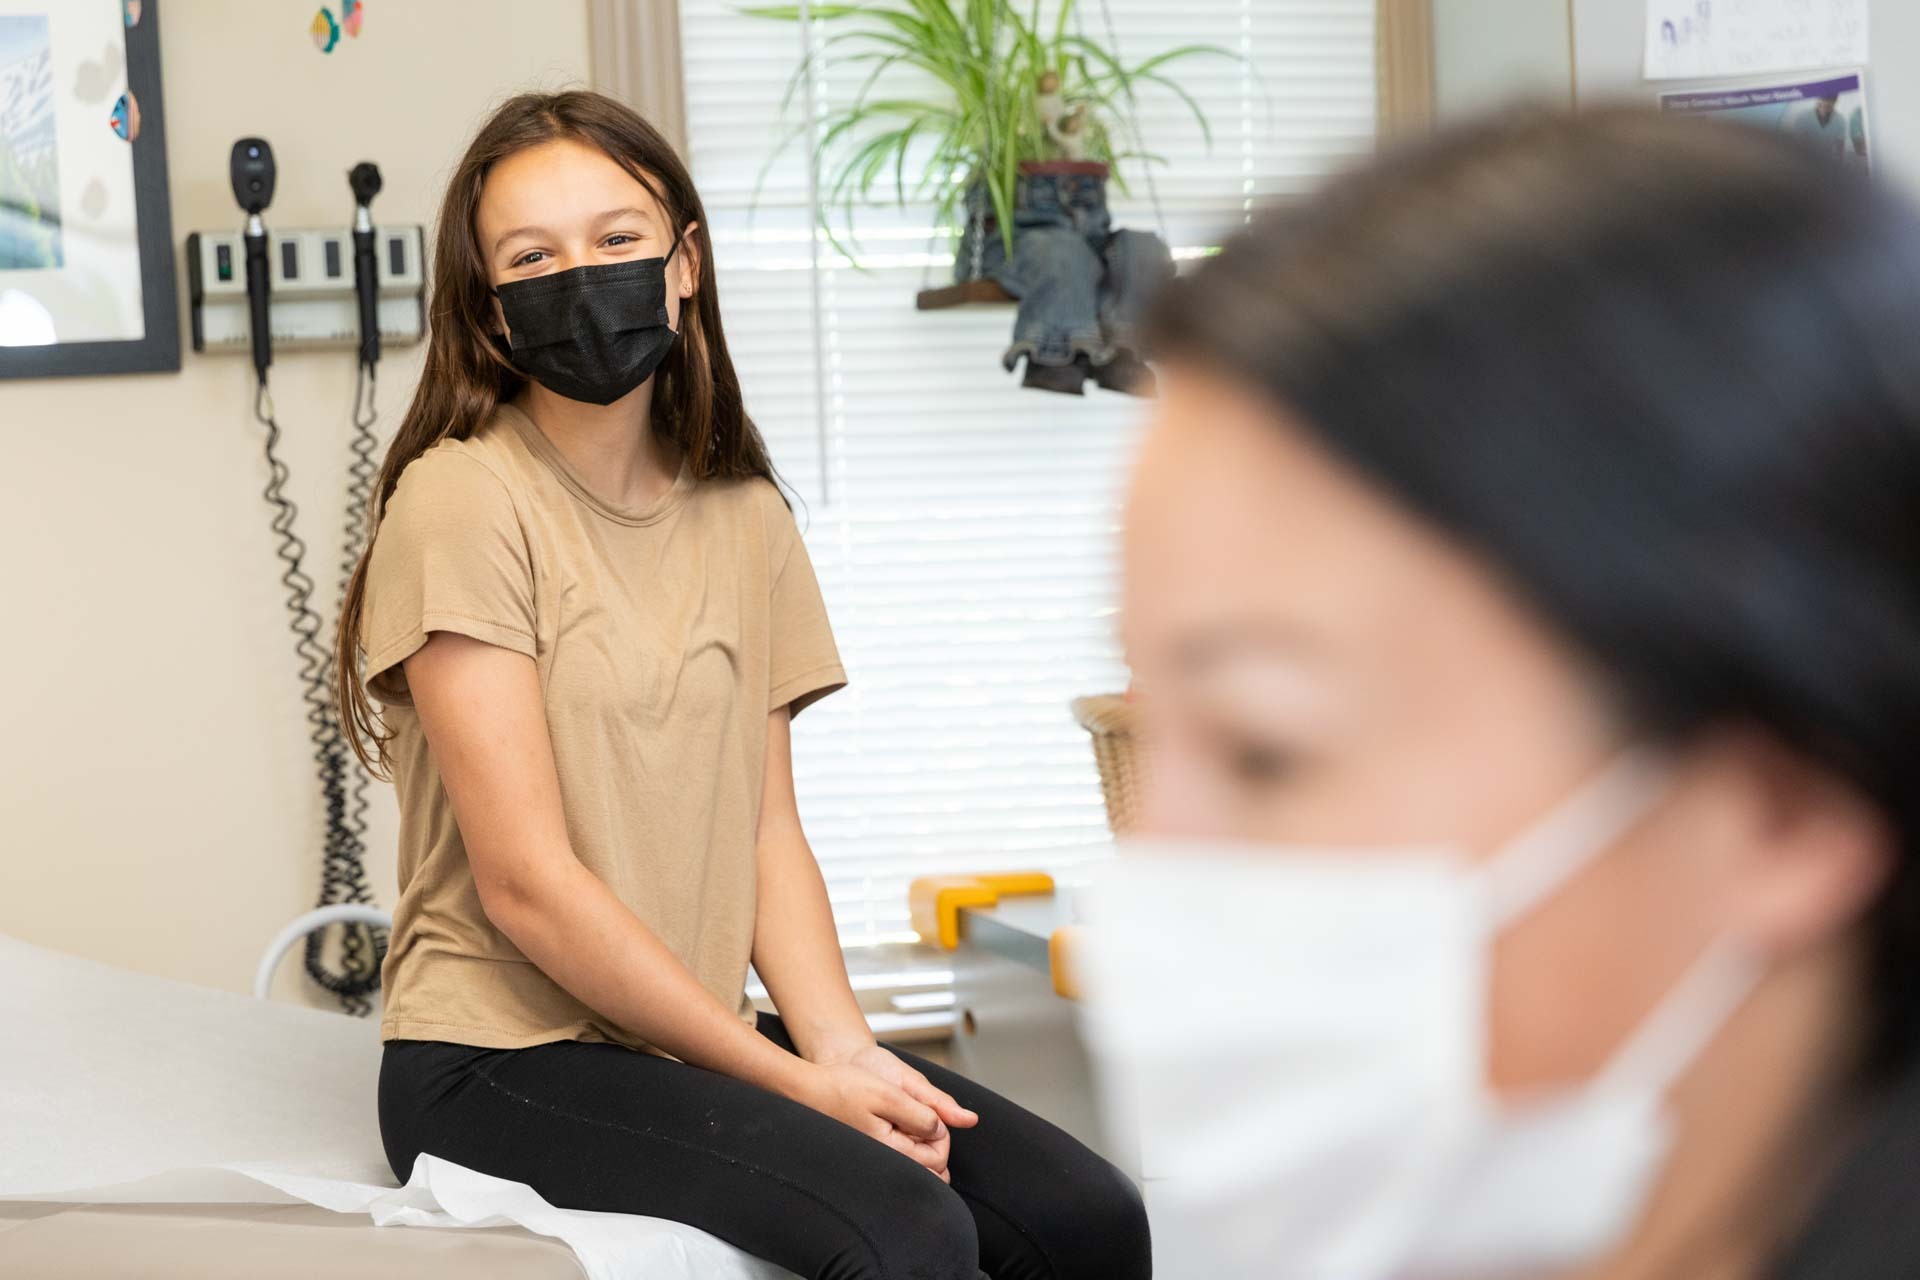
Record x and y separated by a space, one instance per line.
964 529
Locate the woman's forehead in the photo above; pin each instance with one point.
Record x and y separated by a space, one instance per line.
1233 525
1243 534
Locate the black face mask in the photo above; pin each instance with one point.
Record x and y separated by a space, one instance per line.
591 333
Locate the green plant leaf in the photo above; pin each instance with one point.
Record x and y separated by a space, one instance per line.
791 12
1206 130
980 120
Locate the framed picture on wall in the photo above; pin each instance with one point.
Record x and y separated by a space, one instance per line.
86 242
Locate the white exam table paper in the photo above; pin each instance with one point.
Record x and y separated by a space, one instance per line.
119 1087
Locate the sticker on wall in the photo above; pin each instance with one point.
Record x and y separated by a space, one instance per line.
93 81
325 31
130 10
352 13
126 117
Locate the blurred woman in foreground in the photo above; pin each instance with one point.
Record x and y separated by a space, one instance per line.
1523 576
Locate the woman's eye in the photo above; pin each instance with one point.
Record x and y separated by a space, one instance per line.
1256 764
530 257
621 237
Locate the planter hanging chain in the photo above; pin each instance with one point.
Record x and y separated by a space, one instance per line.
1133 123
975 207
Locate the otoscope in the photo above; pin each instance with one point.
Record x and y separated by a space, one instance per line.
364 178
252 171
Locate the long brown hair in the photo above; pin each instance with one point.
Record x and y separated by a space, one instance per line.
696 396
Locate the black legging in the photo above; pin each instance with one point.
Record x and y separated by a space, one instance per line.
599 1126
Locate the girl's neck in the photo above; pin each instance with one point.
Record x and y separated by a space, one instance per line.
612 447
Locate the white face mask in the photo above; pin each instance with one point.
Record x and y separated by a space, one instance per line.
1298 1038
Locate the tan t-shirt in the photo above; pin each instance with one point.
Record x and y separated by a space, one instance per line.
663 637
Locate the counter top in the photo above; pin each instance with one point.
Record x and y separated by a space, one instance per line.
1018 928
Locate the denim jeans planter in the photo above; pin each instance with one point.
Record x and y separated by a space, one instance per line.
1082 286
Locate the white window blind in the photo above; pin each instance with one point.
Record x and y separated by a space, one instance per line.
963 528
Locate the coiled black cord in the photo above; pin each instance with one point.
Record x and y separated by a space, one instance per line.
361 474
343 872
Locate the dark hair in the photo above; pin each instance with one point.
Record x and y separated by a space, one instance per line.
696 395
1662 375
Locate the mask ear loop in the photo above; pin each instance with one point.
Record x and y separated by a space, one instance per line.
1685 1020
501 339
1551 852
664 262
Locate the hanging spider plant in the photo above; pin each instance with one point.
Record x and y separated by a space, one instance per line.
984 113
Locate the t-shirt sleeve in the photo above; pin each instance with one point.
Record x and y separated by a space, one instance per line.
805 665
449 555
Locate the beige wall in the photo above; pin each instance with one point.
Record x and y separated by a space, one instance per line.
1490 52
157 807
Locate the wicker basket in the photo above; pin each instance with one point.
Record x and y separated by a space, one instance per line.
1108 717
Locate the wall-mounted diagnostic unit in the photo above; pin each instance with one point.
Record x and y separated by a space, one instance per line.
357 287
311 281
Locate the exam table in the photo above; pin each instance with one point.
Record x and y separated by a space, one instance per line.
126 1098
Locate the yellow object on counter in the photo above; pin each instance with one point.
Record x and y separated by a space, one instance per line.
935 901
1060 952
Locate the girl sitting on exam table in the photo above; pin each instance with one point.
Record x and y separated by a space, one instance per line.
589 616
1523 586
